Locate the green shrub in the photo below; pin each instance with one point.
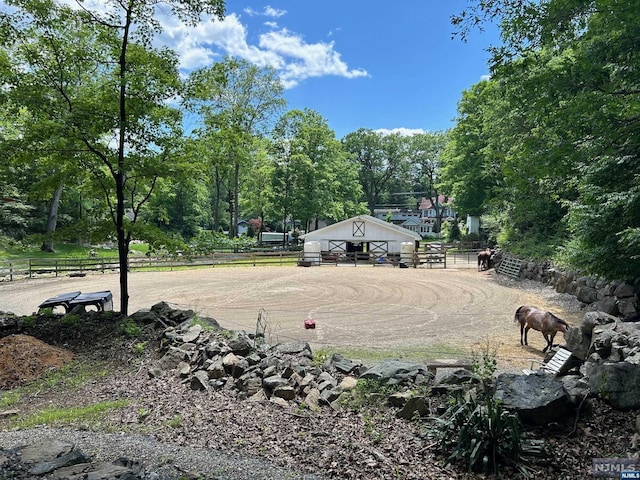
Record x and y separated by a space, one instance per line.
480 434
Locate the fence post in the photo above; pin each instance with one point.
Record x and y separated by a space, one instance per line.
10 272
30 268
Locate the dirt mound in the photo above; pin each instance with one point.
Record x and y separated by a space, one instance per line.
24 358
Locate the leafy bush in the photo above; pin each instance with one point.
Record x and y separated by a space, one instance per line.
480 434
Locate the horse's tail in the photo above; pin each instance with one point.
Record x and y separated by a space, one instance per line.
516 317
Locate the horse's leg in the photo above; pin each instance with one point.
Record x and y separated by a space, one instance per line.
521 333
549 338
526 330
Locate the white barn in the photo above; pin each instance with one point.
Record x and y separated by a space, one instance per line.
364 234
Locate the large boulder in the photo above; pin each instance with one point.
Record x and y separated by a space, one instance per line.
577 342
395 372
616 382
594 319
587 294
538 399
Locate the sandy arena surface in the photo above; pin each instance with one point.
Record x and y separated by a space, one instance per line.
364 306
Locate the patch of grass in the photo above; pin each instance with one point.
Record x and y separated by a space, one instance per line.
10 398
374 355
139 348
71 375
71 415
71 320
129 328
175 422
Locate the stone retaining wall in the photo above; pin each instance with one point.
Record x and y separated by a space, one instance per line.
615 297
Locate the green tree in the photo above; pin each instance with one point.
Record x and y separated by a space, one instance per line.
381 159
565 130
426 151
322 181
237 102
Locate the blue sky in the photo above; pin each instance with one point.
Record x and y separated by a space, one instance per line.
360 64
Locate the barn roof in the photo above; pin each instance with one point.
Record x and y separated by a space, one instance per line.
366 218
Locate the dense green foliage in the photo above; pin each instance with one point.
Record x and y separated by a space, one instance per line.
547 149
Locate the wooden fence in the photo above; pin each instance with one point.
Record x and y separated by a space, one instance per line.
54 267
30 268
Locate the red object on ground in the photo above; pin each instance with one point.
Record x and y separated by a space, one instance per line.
309 323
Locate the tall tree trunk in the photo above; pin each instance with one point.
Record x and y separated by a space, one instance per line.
230 198
119 172
236 200
216 201
52 220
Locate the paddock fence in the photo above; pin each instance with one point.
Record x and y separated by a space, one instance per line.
11 270
76 267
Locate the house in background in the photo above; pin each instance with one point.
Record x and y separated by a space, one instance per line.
420 220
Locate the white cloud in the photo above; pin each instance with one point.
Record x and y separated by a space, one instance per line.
304 60
268 11
403 132
281 49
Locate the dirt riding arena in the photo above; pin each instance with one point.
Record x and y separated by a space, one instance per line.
364 306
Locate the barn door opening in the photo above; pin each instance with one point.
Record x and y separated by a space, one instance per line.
358 251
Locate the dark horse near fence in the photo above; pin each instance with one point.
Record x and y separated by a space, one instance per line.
484 260
545 322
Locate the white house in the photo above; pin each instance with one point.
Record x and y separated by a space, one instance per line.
361 234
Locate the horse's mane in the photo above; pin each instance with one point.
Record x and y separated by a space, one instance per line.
559 320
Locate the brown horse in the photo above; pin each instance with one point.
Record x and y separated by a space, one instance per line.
484 260
545 322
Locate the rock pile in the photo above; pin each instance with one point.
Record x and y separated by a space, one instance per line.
610 349
204 355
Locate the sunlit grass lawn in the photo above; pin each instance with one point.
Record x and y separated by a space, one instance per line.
63 250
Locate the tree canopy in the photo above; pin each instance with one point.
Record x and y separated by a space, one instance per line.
550 144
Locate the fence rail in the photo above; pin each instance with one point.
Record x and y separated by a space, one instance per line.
31 268
54 267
